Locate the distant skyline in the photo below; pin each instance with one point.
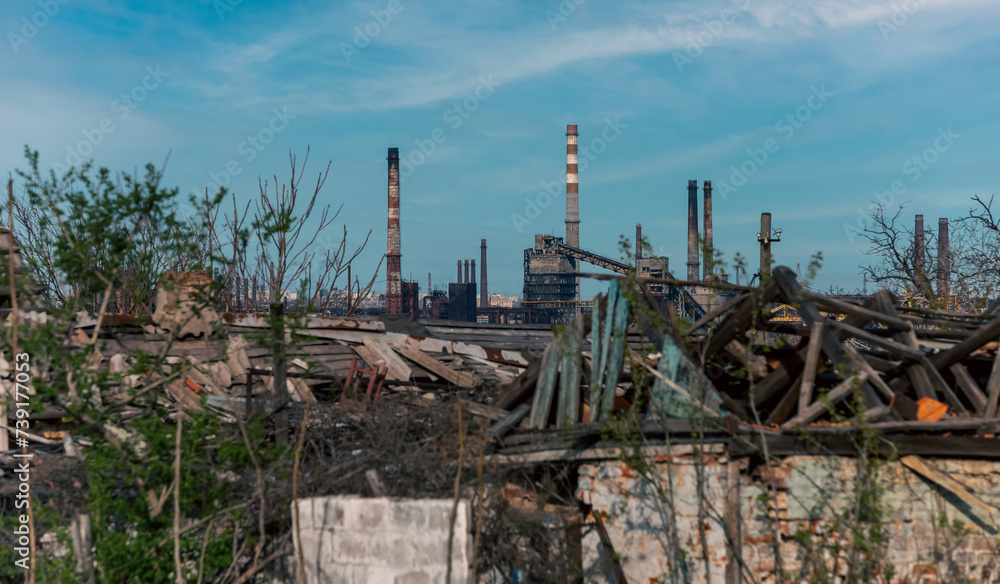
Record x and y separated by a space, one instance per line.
812 111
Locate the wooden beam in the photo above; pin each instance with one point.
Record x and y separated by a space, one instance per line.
834 305
993 389
459 378
970 388
541 405
398 369
809 374
977 339
817 408
928 470
832 346
503 426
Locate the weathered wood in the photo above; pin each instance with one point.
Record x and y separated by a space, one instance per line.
608 549
809 373
616 354
873 376
541 405
519 390
742 316
817 408
569 377
756 364
725 306
483 410
512 419
597 405
993 389
398 370
595 358
793 293
928 470
970 388
975 340
835 305
459 378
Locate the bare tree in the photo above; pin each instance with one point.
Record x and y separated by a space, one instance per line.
293 251
972 265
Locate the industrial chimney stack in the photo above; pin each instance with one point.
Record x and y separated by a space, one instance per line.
692 262
707 190
572 196
458 279
919 255
944 260
638 244
466 280
472 272
394 273
484 295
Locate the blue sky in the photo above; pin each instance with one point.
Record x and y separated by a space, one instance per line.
678 90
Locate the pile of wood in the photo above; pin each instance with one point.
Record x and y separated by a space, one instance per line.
840 364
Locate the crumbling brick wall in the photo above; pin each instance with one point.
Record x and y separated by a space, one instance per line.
356 540
925 543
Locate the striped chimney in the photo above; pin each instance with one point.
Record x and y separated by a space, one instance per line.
572 189
484 295
394 273
572 196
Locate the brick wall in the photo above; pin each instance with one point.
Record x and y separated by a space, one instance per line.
355 540
924 546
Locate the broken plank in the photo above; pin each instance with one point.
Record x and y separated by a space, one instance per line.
459 378
569 380
616 355
513 418
809 374
928 470
993 389
484 411
969 387
398 370
541 405
817 408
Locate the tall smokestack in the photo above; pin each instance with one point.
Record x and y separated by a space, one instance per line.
638 244
919 255
572 189
707 211
484 295
472 271
428 282
458 279
764 237
572 196
944 260
692 263
466 280
394 273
